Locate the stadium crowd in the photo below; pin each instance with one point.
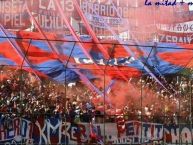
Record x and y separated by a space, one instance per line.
22 95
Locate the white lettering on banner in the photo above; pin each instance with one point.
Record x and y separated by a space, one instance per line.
175 135
42 134
106 12
28 130
65 128
103 9
13 14
41 6
12 6
186 135
54 128
67 5
99 21
51 5
50 22
73 131
16 126
16 20
16 6
49 130
145 132
186 27
112 62
174 39
123 140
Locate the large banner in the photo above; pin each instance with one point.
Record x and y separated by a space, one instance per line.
172 37
14 15
52 131
176 32
121 16
57 131
114 15
185 27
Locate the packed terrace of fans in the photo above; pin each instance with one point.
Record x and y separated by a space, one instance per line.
22 95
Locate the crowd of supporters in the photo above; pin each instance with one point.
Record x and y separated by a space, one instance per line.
22 95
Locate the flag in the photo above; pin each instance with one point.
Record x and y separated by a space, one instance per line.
162 58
